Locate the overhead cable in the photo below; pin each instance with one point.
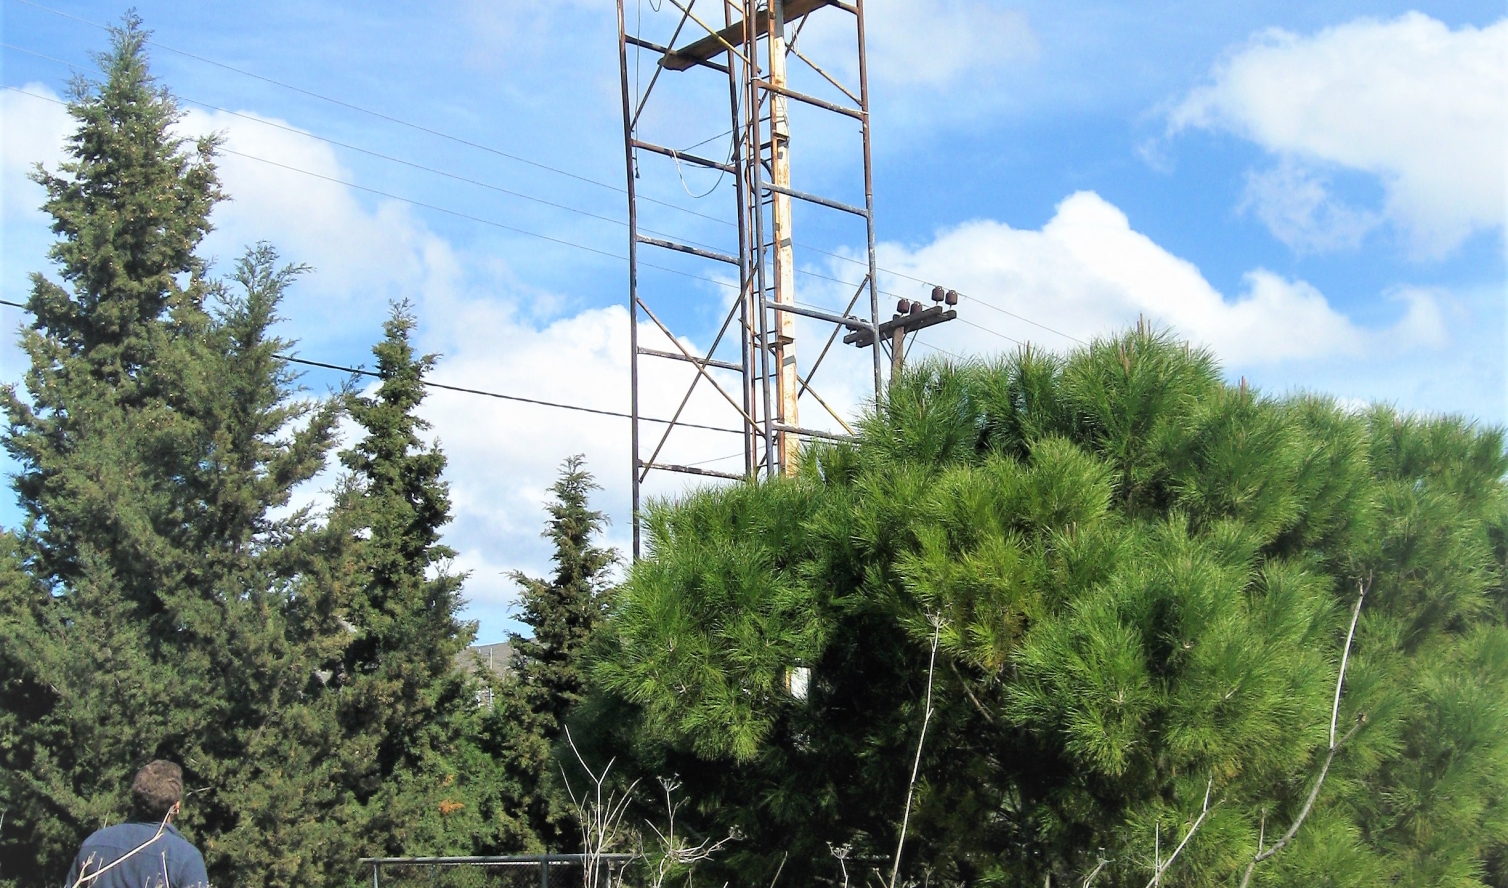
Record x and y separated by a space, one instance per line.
515 157
515 229
357 371
368 111
1023 318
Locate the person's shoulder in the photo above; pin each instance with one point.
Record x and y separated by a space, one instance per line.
121 834
178 843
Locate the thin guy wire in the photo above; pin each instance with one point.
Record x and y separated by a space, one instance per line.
533 163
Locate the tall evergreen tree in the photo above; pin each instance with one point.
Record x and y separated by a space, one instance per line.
563 612
157 431
413 734
547 676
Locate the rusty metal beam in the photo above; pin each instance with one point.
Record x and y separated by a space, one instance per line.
717 44
682 155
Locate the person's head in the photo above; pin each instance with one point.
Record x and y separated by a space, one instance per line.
156 791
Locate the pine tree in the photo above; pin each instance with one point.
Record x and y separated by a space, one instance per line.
158 429
1140 580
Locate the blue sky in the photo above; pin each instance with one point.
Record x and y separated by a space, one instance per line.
1315 190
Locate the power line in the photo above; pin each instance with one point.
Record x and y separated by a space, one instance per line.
418 203
357 371
369 152
368 111
436 208
516 229
498 395
515 157
500 189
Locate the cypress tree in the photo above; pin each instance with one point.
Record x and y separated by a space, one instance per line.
563 612
157 430
413 733
547 678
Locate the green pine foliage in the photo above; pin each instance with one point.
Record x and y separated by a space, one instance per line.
1141 579
157 434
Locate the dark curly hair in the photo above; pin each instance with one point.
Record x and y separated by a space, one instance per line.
156 789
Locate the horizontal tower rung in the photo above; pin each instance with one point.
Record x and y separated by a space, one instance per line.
706 362
810 433
689 158
688 470
662 50
815 198
824 104
858 325
686 248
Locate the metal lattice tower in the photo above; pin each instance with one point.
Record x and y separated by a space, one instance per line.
733 68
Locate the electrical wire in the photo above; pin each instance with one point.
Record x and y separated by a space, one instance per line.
804 272
512 228
543 166
367 151
524 196
436 208
368 111
357 371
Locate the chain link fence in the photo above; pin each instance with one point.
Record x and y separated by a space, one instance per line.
529 871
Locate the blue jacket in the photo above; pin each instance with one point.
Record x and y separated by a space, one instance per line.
169 862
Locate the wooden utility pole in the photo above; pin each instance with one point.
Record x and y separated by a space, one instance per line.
749 367
780 216
910 317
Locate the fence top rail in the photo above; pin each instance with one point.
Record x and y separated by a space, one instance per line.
503 860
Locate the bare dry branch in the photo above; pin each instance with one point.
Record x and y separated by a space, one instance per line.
921 741
1161 867
85 877
1099 867
600 818
1335 745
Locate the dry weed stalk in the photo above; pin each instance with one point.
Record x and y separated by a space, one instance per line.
600 818
675 851
921 741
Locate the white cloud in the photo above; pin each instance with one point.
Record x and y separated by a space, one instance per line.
1088 273
938 43
363 253
505 455
1297 205
32 129
1420 106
